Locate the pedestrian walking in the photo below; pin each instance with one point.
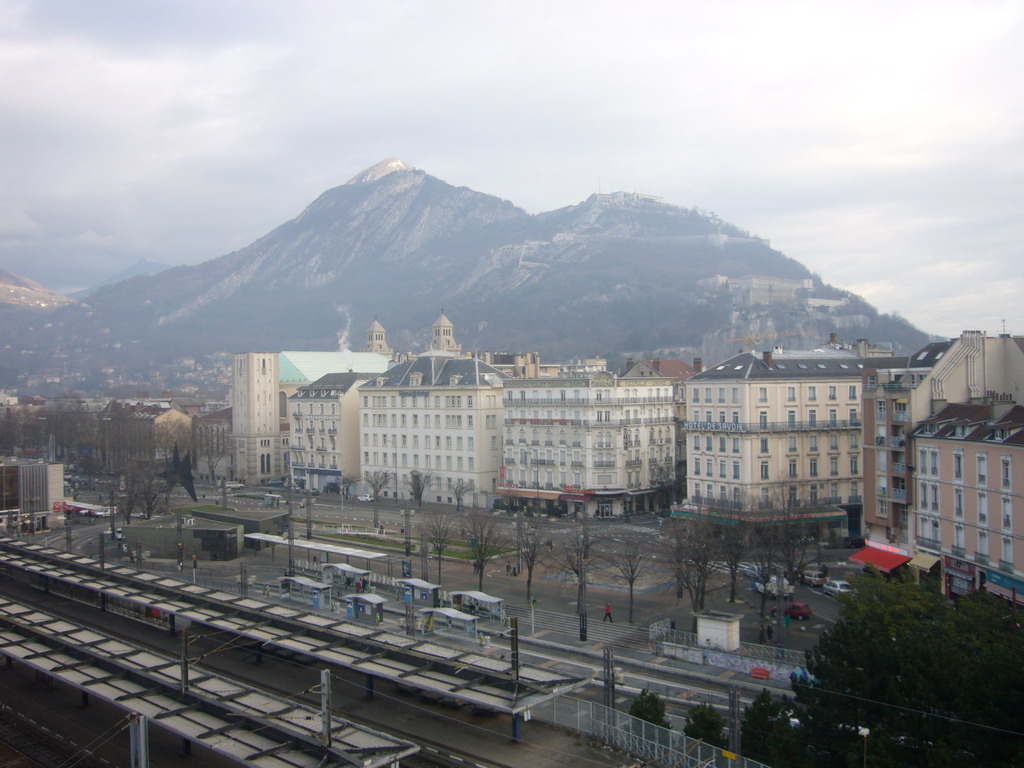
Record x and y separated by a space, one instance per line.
608 613
508 568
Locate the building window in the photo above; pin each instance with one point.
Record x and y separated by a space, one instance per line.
852 394
814 468
792 468
982 509
762 394
1007 504
792 444
833 466
982 469
791 418
735 470
764 470
812 392
791 394
832 392
854 465
763 419
764 445
1007 559
958 466
958 502
1004 472
983 543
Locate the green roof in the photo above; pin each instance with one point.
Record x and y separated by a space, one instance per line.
309 366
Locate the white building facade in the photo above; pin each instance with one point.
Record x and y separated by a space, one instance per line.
596 445
434 420
324 444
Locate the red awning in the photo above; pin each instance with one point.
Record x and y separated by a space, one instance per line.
882 559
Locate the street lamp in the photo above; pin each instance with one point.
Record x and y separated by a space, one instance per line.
864 733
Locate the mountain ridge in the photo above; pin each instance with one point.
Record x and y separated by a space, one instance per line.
617 273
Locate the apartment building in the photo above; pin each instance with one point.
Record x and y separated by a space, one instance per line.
434 420
592 444
969 508
779 431
262 382
324 443
901 392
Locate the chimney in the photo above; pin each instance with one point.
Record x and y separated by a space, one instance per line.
833 339
698 364
862 347
767 357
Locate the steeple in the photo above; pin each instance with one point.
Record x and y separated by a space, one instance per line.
377 339
443 339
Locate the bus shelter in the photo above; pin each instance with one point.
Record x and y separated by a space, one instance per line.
479 604
420 592
432 618
305 590
346 576
365 606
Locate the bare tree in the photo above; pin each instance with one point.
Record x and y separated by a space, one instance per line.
211 444
487 539
575 552
459 489
145 490
419 483
629 556
172 434
530 553
347 483
378 480
692 548
733 546
439 527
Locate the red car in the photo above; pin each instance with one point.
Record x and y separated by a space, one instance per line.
799 611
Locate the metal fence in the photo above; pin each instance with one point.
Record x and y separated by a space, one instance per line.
662 633
653 744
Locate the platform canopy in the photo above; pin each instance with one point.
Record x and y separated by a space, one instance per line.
317 546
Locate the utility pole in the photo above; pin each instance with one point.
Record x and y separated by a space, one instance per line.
309 515
408 531
243 580
609 678
325 707
291 545
583 580
184 660
735 719
138 731
424 557
67 531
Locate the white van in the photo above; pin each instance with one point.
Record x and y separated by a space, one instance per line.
234 486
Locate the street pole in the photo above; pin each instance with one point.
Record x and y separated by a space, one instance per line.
309 515
408 531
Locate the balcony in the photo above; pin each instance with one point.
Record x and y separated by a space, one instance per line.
980 559
901 416
543 462
899 468
897 442
897 494
934 544
634 462
957 551
1005 566
604 465
578 464
310 430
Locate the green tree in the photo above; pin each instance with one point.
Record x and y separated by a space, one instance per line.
767 735
705 723
649 707
935 684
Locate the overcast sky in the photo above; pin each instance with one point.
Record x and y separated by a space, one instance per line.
878 143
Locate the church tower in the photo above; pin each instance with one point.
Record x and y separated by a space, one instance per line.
444 337
377 339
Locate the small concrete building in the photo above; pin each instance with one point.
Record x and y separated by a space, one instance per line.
271 521
206 539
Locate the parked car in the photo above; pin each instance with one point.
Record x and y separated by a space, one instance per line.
232 486
854 542
274 483
364 497
837 587
812 577
799 611
772 587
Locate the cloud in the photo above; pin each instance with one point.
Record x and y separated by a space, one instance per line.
878 154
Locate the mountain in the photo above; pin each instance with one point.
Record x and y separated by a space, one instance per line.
143 268
615 274
19 291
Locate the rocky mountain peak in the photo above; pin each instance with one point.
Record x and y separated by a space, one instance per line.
380 170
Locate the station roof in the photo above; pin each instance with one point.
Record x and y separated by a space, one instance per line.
319 546
243 723
383 650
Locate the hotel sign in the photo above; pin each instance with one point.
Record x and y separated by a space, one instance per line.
413 393
714 426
